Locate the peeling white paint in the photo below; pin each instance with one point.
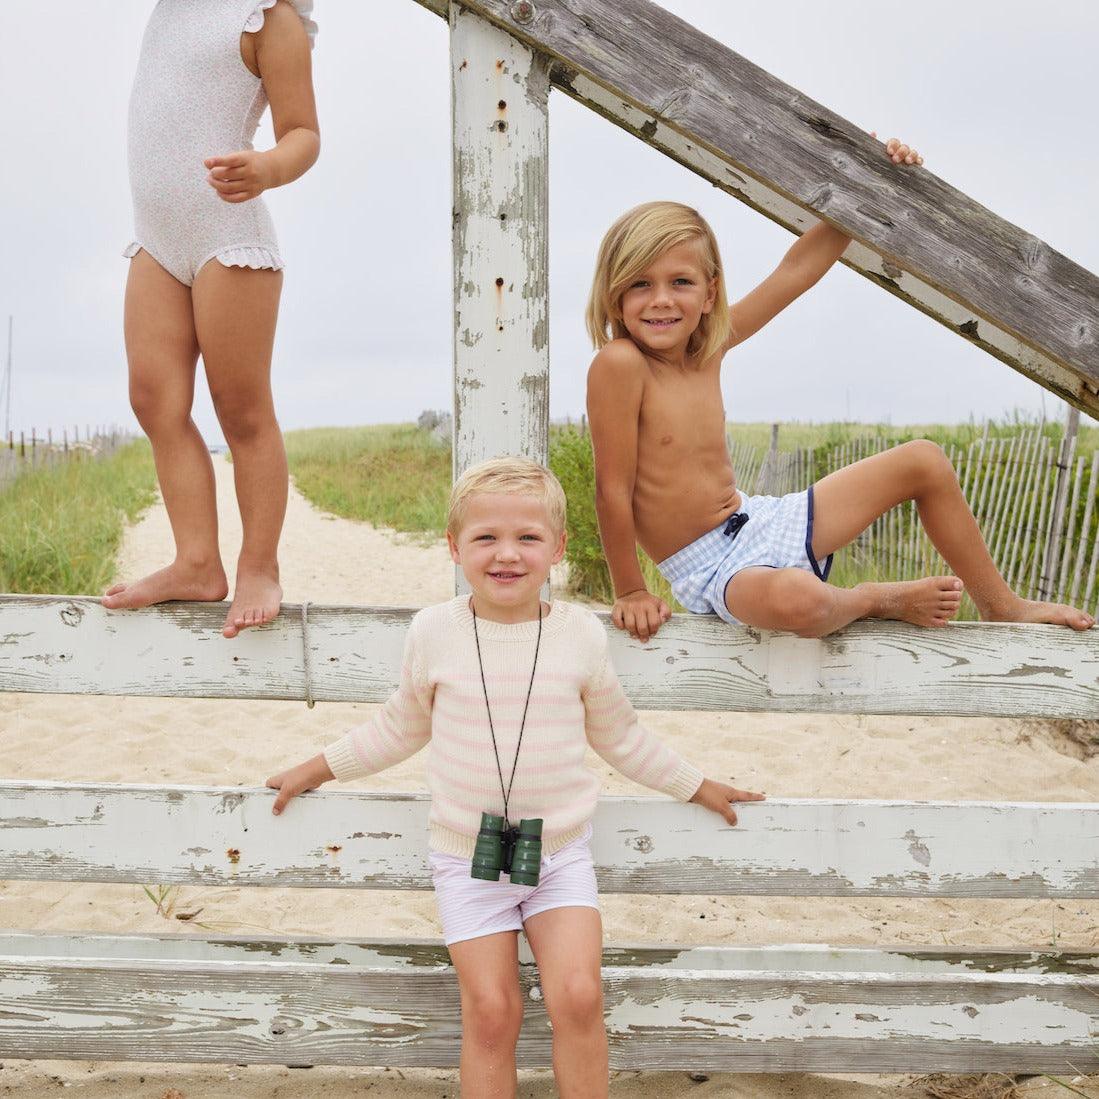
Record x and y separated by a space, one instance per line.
784 846
695 662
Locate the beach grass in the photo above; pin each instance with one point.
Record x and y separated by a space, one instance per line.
390 475
61 526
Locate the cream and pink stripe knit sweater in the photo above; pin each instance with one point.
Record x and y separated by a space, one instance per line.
576 701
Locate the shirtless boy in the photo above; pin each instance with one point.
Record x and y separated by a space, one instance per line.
664 480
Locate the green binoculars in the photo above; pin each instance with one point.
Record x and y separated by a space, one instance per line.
516 851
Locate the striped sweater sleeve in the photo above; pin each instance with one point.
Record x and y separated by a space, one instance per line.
613 730
398 730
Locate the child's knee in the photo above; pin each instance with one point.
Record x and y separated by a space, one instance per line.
243 422
929 461
803 601
578 1004
492 1016
154 408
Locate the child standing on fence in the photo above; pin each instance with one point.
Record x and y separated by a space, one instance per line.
663 479
205 277
509 692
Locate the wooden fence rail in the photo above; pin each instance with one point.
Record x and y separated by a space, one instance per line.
56 644
315 1001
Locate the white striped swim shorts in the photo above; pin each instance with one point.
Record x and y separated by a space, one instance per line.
774 532
470 907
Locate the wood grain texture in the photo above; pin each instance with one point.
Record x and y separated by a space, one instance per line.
414 954
397 1005
500 121
350 839
794 160
51 644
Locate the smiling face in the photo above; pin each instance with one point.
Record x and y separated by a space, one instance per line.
664 305
505 545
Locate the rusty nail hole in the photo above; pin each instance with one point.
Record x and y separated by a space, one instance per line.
503 104
503 217
333 848
234 855
501 125
499 282
499 328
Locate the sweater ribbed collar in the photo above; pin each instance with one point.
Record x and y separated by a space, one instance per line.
552 623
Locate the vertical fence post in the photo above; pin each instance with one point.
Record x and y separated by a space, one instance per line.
1048 583
500 98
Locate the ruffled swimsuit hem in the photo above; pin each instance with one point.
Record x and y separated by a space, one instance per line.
304 8
252 256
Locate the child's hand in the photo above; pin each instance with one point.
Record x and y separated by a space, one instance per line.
640 614
718 797
241 176
900 153
306 776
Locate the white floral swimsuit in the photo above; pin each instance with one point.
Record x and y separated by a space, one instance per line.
193 98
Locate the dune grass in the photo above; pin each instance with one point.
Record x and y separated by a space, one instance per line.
391 475
60 527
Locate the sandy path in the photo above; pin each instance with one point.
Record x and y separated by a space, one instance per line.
326 559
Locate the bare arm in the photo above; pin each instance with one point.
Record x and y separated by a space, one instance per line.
286 67
615 386
802 266
278 53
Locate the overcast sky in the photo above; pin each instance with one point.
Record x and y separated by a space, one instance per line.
997 96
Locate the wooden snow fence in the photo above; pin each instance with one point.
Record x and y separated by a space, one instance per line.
717 1007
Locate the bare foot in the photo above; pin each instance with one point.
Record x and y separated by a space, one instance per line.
255 602
1030 610
932 601
177 581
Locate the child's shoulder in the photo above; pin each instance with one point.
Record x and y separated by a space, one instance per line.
581 628
617 361
429 621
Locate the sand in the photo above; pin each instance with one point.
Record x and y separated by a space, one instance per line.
327 559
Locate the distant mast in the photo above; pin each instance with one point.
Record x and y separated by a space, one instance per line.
7 383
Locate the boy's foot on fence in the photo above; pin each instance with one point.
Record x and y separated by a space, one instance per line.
1031 610
255 602
176 582
932 601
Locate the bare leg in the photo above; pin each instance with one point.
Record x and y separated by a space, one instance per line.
848 500
162 350
492 1013
235 313
568 946
795 600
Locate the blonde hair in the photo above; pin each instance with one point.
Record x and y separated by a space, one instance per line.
637 238
511 475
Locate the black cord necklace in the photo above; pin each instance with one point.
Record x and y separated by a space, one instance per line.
488 708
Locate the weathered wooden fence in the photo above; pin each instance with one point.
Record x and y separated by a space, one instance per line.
21 451
1011 482
780 1008
769 1008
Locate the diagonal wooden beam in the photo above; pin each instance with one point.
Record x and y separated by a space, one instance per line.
795 161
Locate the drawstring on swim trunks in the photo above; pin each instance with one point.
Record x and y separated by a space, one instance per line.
306 656
735 522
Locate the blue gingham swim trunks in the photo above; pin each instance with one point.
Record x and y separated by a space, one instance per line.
775 532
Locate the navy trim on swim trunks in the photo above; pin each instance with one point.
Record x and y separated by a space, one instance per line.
734 523
822 575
